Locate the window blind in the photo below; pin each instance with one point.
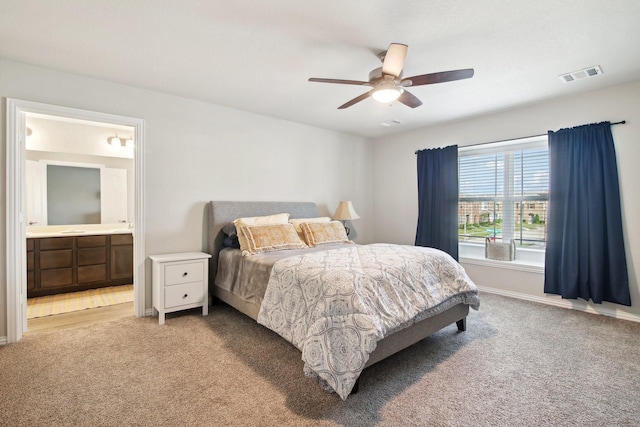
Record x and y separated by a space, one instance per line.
514 173
503 193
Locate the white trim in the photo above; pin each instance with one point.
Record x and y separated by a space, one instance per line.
139 254
15 227
529 260
72 164
507 265
563 303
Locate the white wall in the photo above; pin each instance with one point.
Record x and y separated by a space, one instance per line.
196 152
395 177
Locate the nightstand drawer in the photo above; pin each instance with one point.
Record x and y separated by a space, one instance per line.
184 272
187 293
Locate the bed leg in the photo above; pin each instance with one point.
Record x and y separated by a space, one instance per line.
356 386
462 324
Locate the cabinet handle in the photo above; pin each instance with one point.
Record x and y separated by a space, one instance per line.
184 274
185 295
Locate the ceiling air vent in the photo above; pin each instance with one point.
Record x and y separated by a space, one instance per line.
581 74
394 122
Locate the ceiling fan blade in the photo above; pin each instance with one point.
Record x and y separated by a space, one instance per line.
355 101
409 100
394 59
441 77
343 82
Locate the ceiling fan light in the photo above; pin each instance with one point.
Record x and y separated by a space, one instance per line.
386 94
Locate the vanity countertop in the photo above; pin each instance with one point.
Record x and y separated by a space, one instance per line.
77 230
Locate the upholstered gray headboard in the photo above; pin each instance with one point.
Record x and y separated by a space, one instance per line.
222 213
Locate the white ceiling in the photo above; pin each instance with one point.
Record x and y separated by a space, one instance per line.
257 55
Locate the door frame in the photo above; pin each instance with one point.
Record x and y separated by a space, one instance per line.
16 274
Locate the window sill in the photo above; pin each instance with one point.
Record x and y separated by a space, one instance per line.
527 260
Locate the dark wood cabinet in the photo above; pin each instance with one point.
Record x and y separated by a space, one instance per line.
68 264
31 263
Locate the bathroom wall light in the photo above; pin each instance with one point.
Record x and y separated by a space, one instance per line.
120 141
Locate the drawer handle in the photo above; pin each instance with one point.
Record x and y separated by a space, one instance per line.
185 295
184 274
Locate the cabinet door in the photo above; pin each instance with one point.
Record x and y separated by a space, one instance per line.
56 278
122 262
113 195
36 193
92 273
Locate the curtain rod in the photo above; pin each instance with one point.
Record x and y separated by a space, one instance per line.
622 122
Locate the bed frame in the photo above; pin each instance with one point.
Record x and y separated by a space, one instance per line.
222 213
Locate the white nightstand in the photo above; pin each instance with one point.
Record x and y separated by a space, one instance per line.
180 281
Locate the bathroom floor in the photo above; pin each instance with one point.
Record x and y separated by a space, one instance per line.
79 318
76 301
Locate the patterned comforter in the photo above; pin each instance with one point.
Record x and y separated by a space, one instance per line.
335 305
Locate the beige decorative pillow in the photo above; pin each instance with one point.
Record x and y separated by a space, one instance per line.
297 221
319 233
270 237
281 218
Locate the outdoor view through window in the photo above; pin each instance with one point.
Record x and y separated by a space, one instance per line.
504 193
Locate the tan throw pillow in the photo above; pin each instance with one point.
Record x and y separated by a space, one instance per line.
297 221
281 218
270 237
318 233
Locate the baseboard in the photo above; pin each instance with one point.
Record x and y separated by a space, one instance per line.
563 303
3 340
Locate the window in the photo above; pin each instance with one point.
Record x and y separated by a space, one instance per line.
504 192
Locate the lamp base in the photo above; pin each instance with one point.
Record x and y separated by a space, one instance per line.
347 229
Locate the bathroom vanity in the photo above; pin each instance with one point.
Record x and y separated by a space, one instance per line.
75 260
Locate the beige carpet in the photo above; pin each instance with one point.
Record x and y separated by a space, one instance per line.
76 301
518 364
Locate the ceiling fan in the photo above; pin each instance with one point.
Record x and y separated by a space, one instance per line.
388 83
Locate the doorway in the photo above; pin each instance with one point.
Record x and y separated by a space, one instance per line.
18 113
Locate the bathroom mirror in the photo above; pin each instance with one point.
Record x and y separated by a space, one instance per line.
73 195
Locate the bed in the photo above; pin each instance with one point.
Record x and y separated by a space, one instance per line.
257 299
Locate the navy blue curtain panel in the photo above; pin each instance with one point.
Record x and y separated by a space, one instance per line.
438 199
585 255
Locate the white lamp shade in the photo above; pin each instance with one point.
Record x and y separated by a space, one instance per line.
345 211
